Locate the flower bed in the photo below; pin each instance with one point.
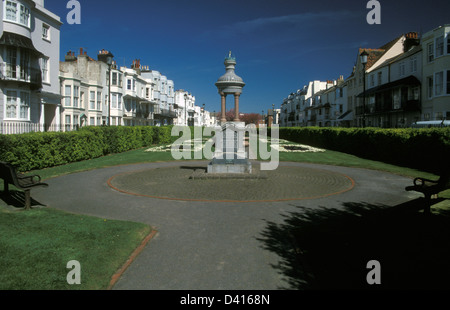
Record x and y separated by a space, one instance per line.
291 147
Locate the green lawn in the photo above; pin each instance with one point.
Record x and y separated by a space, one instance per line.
36 245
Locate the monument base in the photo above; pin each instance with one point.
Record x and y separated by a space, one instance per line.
230 156
229 166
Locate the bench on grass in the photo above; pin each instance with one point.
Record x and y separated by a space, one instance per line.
10 176
430 187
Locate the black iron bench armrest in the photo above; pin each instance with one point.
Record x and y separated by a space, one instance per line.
422 181
31 178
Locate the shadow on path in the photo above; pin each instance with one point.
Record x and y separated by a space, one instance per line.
329 248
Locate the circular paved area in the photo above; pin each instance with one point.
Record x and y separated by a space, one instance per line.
284 183
210 245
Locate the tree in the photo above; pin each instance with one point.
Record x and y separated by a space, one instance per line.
247 118
251 118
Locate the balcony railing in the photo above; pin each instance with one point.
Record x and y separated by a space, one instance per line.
166 113
388 106
9 128
32 76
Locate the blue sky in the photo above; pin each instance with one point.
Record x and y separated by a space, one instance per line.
280 45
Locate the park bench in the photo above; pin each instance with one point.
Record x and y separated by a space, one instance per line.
430 187
10 176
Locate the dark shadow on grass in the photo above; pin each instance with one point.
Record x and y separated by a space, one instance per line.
327 248
16 199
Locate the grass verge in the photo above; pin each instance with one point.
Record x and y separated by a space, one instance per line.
37 245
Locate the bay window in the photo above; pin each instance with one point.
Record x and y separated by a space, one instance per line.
17 105
17 64
17 13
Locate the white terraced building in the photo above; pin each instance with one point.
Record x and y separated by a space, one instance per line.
29 67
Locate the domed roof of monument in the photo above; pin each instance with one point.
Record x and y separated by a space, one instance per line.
230 77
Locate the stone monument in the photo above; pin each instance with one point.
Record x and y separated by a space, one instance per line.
230 156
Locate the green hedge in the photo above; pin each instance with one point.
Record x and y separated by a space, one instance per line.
47 149
425 149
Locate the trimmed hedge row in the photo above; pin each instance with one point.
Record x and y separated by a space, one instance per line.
425 149
48 149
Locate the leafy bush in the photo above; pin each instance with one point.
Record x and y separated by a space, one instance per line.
47 149
425 149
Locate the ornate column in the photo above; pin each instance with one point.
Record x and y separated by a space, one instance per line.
236 107
224 100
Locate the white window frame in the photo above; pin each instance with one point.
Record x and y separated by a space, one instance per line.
68 122
45 69
76 96
92 100
430 86
76 120
413 62
46 32
115 81
430 52
440 48
401 69
439 88
99 100
114 98
22 15
67 97
22 102
17 64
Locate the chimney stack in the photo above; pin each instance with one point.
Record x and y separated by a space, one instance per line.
70 56
411 40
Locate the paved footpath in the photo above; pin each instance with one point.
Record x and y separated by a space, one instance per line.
206 245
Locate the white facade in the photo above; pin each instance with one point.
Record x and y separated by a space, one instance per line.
29 67
298 108
186 108
94 94
386 92
393 95
436 74
84 90
162 97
